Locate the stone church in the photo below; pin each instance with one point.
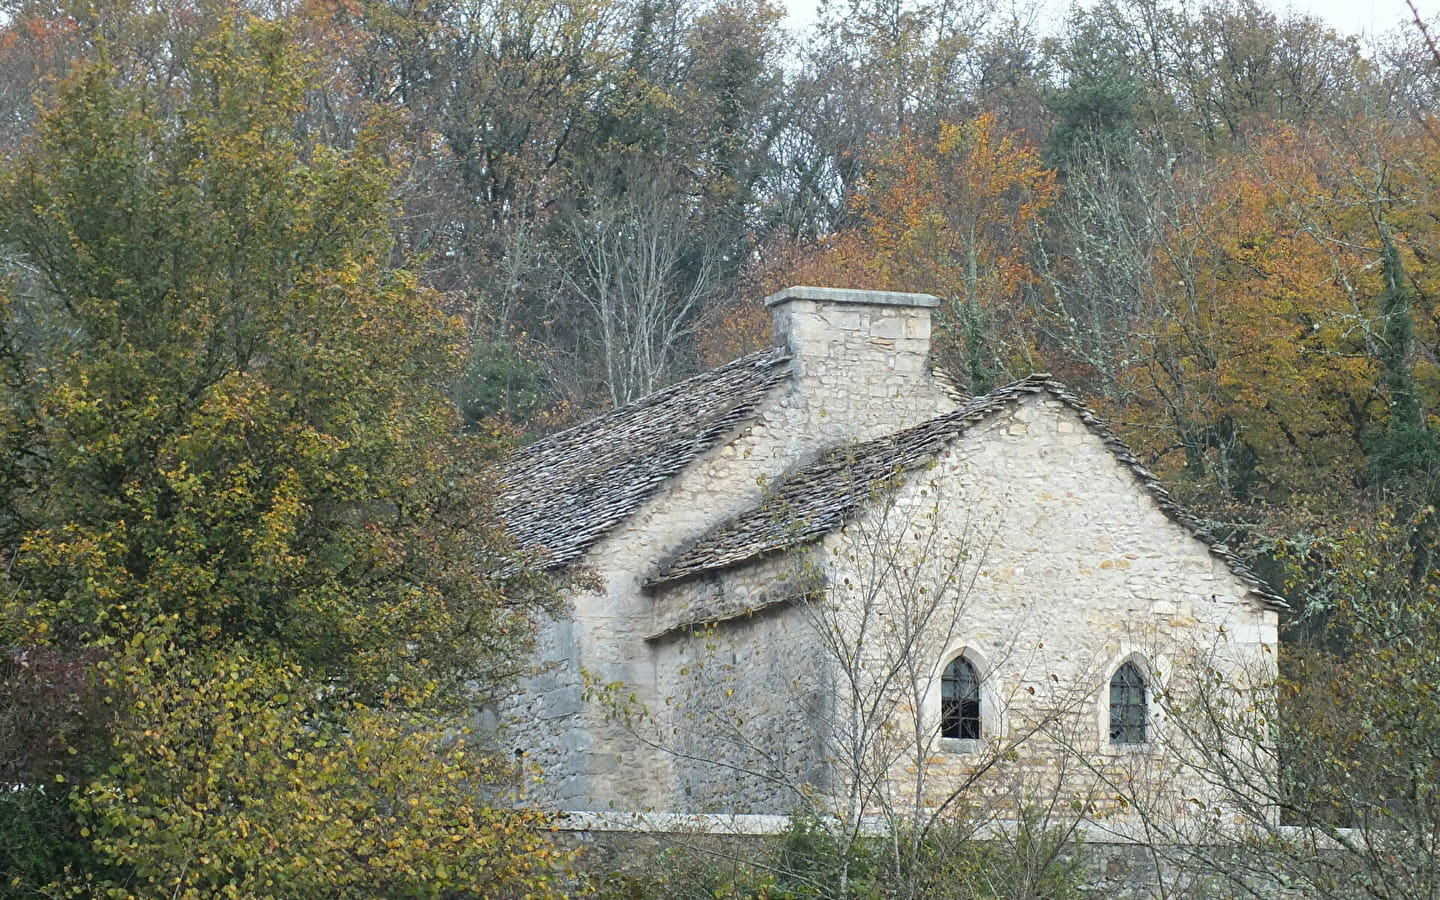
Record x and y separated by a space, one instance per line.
820 577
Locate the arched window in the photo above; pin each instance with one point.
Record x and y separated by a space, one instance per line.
1127 706
960 700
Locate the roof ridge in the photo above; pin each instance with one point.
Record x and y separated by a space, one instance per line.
769 355
564 492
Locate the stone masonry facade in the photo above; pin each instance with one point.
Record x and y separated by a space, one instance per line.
768 609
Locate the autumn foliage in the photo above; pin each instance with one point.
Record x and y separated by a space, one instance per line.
952 215
239 516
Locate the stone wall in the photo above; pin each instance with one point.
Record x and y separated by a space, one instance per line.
1029 548
1113 869
850 381
1069 570
860 362
747 693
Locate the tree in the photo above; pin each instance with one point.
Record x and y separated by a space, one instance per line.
641 277
236 475
1223 70
229 782
1095 105
901 65
1340 798
1255 312
953 216
235 417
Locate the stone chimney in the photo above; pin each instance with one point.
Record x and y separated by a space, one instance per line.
860 359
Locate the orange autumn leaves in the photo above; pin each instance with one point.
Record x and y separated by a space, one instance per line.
1246 352
951 215
1252 362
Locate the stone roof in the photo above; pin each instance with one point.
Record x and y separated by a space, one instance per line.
564 492
816 500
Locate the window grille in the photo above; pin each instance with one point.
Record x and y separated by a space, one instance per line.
1127 706
960 701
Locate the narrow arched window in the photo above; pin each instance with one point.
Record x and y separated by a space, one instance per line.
1127 706
960 700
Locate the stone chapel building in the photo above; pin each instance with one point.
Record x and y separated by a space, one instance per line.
818 574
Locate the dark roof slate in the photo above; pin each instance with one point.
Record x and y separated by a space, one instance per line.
564 492
814 501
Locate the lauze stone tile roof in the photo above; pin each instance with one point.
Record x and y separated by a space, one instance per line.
819 498
564 492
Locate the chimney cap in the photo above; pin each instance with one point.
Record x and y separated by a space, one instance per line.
845 295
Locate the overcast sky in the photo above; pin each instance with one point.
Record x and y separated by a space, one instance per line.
1365 16
1351 16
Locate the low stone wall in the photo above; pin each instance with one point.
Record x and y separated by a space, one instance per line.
621 845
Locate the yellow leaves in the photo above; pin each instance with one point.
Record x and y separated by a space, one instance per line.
215 803
238 425
247 492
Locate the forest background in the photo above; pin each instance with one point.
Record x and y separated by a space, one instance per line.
282 278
